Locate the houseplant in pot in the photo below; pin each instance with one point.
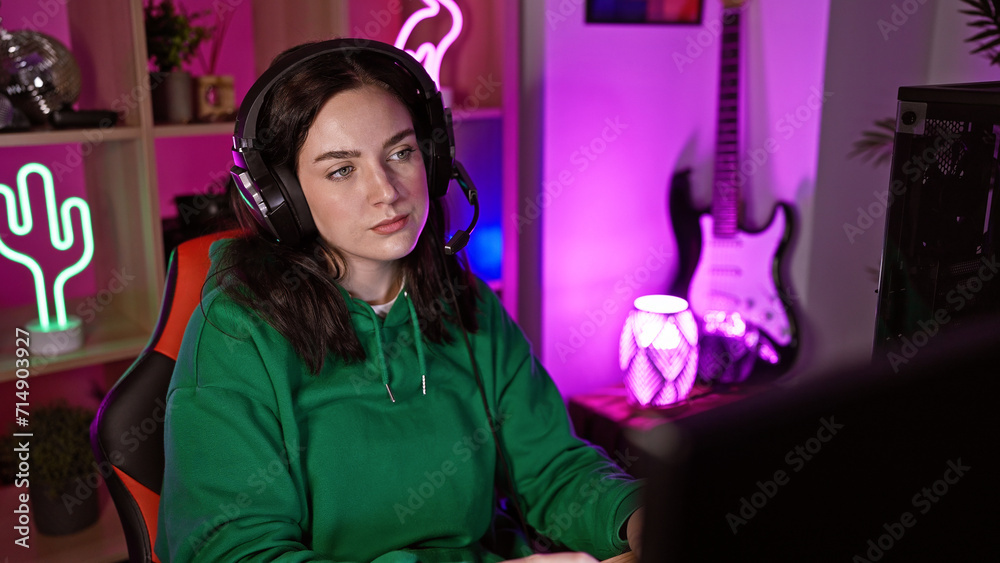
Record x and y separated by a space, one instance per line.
172 39
63 483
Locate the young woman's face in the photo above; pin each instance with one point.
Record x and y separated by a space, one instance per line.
364 178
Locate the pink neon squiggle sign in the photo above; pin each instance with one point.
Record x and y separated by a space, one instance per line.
428 54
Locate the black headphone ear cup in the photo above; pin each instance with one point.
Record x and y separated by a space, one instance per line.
440 142
250 196
295 199
259 191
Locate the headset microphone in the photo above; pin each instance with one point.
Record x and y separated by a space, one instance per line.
461 237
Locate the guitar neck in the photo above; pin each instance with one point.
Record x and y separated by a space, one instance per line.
727 185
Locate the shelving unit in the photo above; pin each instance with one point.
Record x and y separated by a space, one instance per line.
119 165
120 189
70 136
193 130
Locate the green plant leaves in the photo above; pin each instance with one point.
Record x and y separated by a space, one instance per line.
986 19
60 447
171 36
875 145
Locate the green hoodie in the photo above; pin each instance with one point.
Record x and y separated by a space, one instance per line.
266 462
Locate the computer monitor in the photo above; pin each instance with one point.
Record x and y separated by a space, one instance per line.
861 465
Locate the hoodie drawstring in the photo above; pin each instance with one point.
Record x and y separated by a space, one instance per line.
381 352
418 343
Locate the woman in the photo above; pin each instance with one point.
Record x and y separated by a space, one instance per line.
341 398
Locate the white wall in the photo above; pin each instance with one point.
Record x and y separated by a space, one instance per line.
605 232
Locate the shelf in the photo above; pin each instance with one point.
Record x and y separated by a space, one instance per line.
90 354
109 338
194 130
68 136
103 542
460 114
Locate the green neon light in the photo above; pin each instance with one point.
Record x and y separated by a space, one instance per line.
61 240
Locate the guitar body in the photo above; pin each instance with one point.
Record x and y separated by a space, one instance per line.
741 273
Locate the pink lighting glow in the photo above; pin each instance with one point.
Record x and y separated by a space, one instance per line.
665 114
659 350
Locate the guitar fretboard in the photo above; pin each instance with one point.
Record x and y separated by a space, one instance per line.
726 187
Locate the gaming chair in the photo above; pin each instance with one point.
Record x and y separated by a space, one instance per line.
127 433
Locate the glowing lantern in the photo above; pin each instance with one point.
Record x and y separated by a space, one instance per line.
659 350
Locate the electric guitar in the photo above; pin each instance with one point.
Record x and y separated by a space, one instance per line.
725 269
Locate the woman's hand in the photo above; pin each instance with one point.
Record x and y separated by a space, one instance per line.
633 531
555 558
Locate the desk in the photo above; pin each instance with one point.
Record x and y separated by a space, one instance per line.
606 419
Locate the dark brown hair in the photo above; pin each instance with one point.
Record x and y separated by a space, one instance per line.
294 288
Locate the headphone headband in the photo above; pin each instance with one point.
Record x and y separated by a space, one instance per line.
245 133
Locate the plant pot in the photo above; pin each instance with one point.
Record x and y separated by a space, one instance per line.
213 98
172 96
54 517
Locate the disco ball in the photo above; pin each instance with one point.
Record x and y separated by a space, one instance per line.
38 73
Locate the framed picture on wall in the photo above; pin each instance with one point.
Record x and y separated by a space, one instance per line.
644 11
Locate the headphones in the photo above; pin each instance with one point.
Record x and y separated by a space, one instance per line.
273 193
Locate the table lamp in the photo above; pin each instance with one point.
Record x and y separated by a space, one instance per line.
659 350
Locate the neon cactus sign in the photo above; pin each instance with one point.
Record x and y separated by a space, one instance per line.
61 235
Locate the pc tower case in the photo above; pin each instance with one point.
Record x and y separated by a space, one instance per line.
939 260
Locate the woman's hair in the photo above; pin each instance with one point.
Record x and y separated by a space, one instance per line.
293 288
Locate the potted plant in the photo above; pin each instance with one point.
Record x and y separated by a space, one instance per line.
172 39
62 486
